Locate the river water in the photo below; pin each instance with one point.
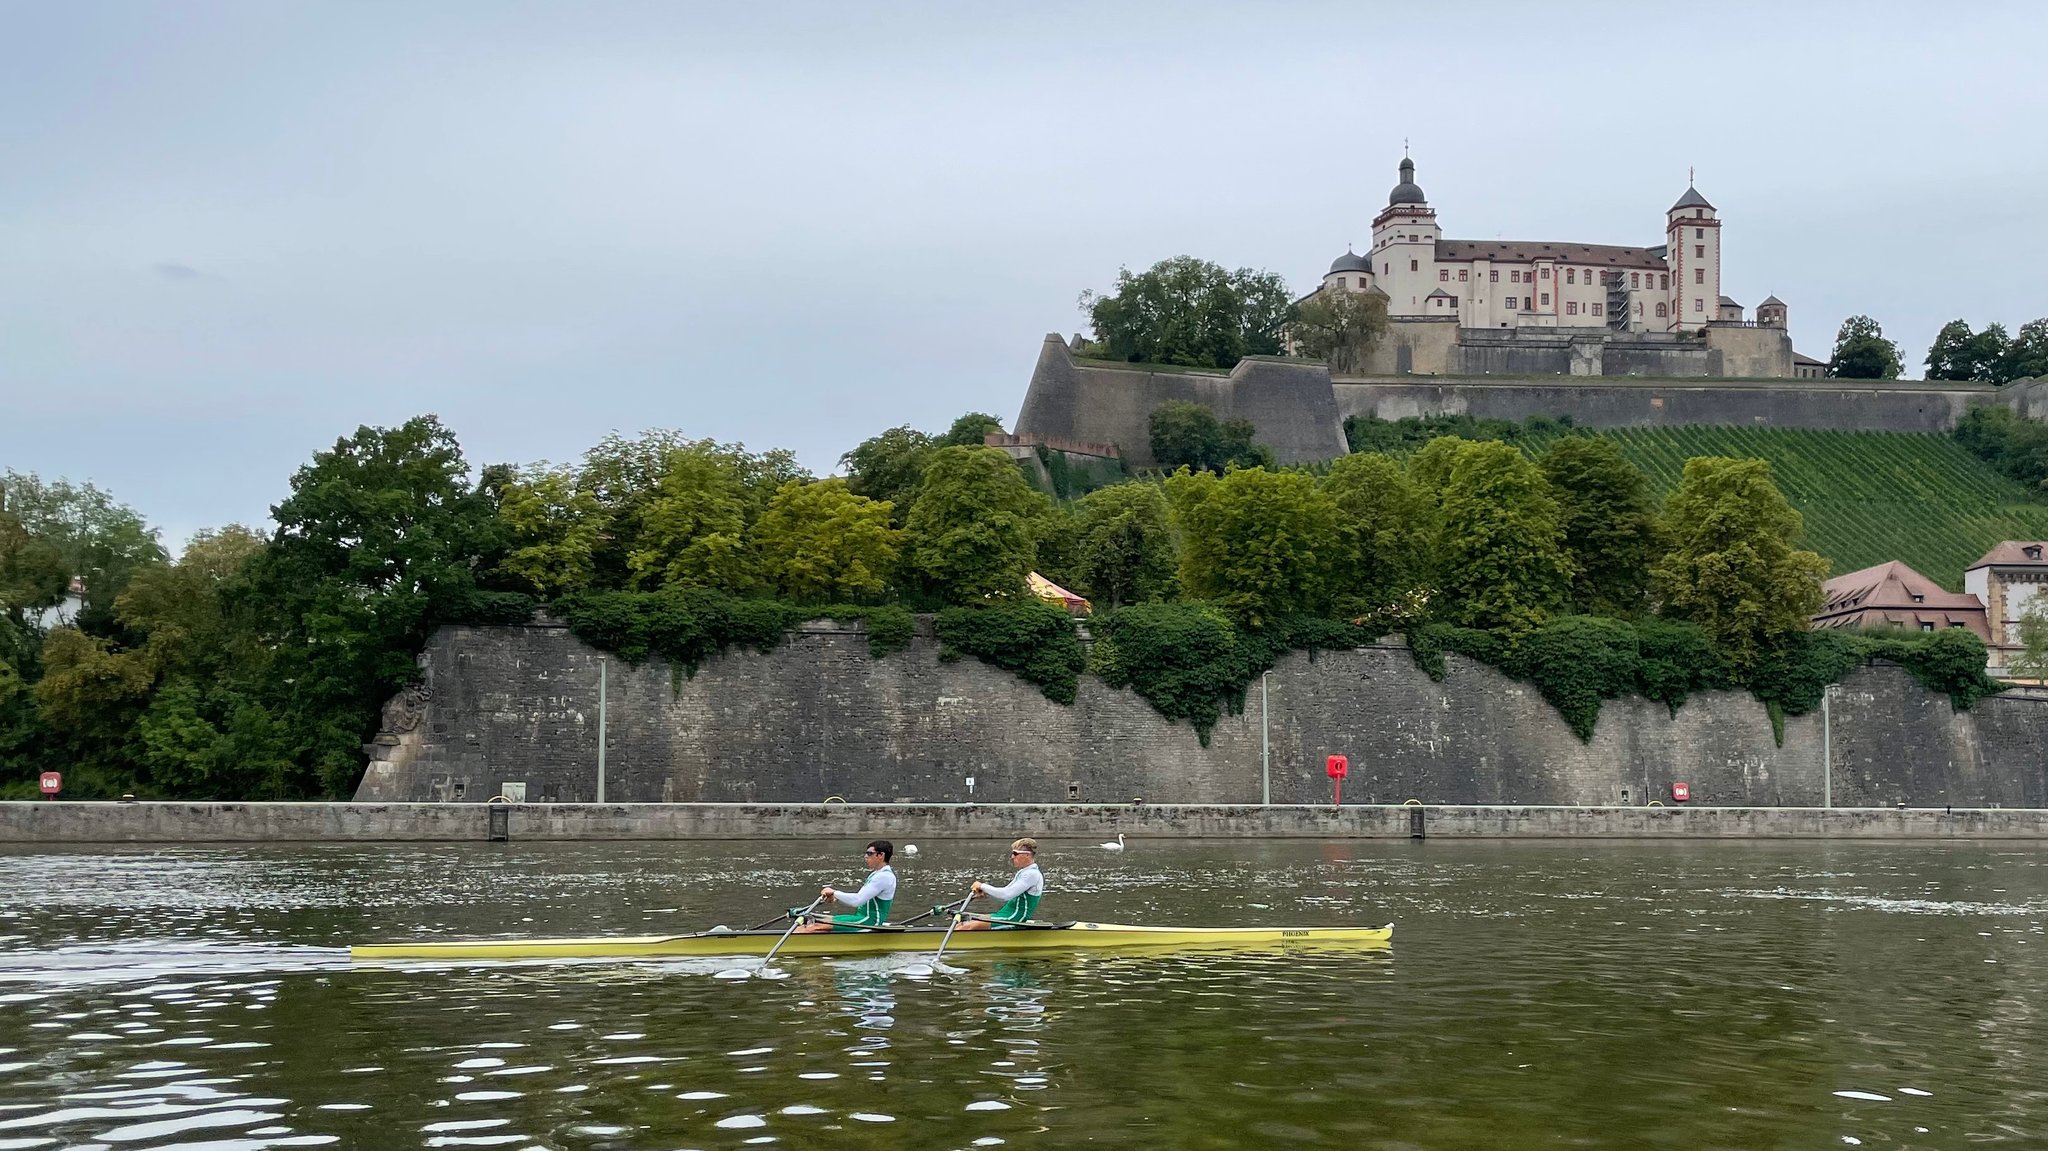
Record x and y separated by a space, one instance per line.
1537 994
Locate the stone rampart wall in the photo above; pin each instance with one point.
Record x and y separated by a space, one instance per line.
818 717
1867 405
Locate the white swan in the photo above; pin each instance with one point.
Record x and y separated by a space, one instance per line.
910 849
1117 846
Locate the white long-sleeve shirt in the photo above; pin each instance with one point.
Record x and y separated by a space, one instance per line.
881 884
1027 880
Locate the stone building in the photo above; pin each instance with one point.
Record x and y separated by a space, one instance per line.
1894 595
1661 306
2007 579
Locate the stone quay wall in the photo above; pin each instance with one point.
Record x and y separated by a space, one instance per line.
31 822
819 718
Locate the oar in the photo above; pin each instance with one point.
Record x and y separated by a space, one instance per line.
944 910
795 921
933 967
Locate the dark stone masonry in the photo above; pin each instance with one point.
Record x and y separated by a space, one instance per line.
819 717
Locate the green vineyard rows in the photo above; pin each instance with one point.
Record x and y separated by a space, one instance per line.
1867 497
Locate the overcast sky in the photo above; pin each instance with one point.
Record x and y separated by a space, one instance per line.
230 233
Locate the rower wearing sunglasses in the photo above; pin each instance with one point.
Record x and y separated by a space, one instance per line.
870 904
1020 895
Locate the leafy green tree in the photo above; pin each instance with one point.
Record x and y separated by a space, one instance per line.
820 542
2008 441
90 696
1960 354
553 526
33 577
2027 356
2032 661
971 431
1340 328
1609 521
1431 467
645 487
1733 565
1191 312
1262 545
378 541
100 541
1388 525
890 467
973 530
1862 352
1504 561
1188 435
1126 552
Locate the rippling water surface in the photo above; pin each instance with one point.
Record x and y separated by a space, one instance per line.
1724 995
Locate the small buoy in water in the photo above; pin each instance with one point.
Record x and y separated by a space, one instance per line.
910 849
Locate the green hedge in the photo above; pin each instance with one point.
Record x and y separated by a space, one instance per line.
1032 639
687 626
1577 662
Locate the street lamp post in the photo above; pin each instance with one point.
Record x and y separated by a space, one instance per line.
600 727
1265 748
1827 752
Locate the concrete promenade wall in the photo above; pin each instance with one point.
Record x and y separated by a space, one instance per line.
43 822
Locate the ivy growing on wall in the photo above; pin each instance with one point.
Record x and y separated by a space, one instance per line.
686 626
1032 639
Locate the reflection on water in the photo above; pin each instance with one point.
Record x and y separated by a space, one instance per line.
1598 996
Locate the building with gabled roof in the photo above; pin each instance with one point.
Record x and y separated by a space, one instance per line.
1894 595
2008 578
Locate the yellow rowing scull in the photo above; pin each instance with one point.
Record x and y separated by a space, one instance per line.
1033 937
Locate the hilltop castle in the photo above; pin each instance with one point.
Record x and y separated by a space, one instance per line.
1566 308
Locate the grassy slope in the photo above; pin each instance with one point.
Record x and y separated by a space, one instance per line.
1867 497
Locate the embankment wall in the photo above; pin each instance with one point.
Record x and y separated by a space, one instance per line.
33 822
819 717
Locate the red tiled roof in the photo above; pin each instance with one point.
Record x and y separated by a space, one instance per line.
2013 553
1896 595
1529 251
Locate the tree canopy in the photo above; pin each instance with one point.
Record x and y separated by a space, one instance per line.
1263 545
1734 566
1190 312
974 527
1862 352
1341 328
1609 521
1188 435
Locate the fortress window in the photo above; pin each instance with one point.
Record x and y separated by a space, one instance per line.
1545 273
1513 301
1699 233
1571 275
1699 251
1662 312
1699 213
1698 305
1454 303
1546 299
1443 274
1664 281
1494 275
1340 281
1462 273
1571 307
1414 265
1699 275
1635 279
1639 307
1599 310
1515 276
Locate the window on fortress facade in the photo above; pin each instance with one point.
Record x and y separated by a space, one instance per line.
1462 273
1699 275
1443 274
1699 251
1664 281
1699 233
1571 275
1545 273
1699 213
1699 305
1494 275
1454 303
1414 265
1571 307
1515 276
1662 311
1546 299
1340 281
1599 309
1513 301
1635 279
1639 307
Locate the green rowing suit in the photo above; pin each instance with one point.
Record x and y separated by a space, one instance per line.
1021 896
871 903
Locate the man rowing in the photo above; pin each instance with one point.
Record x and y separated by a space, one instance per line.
1020 896
870 904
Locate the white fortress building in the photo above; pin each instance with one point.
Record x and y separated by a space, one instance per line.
1673 288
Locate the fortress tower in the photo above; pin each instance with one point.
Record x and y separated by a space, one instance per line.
1692 246
1403 254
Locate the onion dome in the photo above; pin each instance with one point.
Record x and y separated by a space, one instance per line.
1350 261
1407 191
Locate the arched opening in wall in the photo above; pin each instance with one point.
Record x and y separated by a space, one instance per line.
1662 311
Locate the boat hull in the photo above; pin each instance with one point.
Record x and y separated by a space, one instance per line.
1062 937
